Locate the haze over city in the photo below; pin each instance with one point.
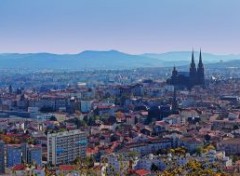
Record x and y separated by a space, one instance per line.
135 27
119 88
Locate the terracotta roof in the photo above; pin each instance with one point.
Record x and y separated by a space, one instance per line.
92 150
160 123
237 162
19 167
232 141
142 172
99 167
66 167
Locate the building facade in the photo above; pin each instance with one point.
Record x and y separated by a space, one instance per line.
34 155
14 155
19 153
65 147
2 160
195 76
86 106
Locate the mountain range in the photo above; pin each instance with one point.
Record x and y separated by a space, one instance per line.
110 60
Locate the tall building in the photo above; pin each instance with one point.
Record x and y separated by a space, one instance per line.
19 153
34 155
174 101
87 100
2 160
200 71
65 147
195 76
86 105
14 155
192 72
24 151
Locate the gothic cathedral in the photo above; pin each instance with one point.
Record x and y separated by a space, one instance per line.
195 76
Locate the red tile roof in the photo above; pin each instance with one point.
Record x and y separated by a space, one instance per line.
19 167
142 172
66 167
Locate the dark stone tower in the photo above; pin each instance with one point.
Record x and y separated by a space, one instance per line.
195 76
192 72
2 159
174 101
174 75
200 71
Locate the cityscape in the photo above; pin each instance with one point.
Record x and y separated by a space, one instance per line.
124 88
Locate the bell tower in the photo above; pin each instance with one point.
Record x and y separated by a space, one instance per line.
192 72
200 71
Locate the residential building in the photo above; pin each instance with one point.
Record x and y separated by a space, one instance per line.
190 143
34 155
230 146
65 147
86 106
2 160
117 164
18 153
14 155
144 148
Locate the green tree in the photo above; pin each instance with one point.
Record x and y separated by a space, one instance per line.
154 167
53 118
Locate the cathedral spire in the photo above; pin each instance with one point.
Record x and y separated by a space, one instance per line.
193 62
200 64
192 72
174 68
174 75
200 70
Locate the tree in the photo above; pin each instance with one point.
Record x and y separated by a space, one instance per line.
85 119
84 165
46 109
235 127
112 119
91 121
207 137
199 151
89 162
154 167
162 151
135 120
77 122
53 118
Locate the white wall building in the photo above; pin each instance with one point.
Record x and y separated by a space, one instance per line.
65 147
86 105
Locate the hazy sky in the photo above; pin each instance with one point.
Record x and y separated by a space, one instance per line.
134 26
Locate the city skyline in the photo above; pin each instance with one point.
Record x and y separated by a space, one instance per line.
134 27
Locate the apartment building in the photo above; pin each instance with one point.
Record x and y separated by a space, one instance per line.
65 147
2 163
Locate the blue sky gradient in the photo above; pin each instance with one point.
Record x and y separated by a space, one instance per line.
133 26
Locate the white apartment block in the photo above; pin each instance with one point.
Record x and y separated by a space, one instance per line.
65 147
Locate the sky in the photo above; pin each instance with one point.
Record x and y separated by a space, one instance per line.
131 26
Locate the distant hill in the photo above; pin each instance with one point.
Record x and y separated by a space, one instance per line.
109 60
85 60
184 57
227 64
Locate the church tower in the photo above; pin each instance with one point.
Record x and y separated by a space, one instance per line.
174 101
174 75
184 79
200 71
192 72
